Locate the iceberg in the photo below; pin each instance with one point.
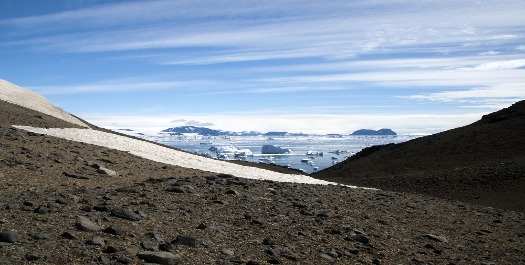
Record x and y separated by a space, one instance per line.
272 149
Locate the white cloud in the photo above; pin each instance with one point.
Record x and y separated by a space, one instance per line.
198 123
412 79
489 53
261 30
500 65
115 86
497 96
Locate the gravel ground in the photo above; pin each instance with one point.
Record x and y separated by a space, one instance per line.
76 203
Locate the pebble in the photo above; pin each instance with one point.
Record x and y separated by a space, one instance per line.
166 258
32 256
125 214
84 224
227 252
149 245
187 241
107 171
113 230
437 238
96 241
327 257
68 235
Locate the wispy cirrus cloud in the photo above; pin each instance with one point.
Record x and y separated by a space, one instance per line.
116 86
241 31
496 96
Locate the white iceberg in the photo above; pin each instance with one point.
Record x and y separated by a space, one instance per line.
272 149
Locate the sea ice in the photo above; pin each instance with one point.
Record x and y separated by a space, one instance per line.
167 155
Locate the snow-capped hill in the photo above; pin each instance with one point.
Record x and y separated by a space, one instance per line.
28 99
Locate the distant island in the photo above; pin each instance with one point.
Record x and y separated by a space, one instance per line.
213 132
369 132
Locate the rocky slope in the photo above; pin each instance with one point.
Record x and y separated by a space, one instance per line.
482 163
73 203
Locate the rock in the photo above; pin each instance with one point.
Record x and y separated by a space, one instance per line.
257 222
187 241
64 200
96 241
110 250
177 189
107 171
113 230
84 224
362 239
150 246
384 222
9 236
274 252
125 214
437 238
232 192
274 261
327 257
166 246
42 210
32 256
227 252
39 236
101 208
2 175
104 260
268 241
68 235
202 226
291 255
75 175
125 260
155 235
159 257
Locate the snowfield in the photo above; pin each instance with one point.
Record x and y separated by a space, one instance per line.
170 156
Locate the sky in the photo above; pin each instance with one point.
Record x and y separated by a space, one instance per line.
241 65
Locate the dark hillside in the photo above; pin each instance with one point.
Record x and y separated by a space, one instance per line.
483 163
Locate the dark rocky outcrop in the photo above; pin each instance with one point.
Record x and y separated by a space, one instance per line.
482 163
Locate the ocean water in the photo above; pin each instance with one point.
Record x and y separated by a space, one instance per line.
322 151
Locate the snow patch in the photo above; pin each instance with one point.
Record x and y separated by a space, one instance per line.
28 99
170 156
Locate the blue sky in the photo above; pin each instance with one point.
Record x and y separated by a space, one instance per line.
300 66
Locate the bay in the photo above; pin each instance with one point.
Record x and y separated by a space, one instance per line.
323 151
